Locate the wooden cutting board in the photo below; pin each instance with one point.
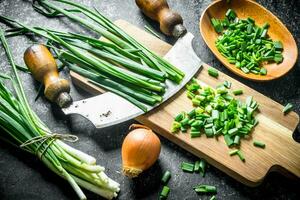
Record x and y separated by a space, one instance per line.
282 153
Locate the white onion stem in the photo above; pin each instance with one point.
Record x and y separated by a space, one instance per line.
108 194
77 154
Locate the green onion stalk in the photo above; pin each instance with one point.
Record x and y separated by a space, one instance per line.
23 128
121 61
103 59
106 51
106 28
135 94
84 55
105 66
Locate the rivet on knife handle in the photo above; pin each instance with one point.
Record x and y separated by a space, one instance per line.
43 67
171 22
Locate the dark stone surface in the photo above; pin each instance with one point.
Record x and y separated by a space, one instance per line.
22 176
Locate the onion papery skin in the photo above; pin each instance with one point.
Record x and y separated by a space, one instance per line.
140 150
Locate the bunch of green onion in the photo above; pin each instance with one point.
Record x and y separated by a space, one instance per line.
122 65
23 128
217 113
245 44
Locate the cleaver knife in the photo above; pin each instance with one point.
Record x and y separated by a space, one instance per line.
108 108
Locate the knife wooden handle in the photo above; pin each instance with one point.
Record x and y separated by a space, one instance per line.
171 22
43 67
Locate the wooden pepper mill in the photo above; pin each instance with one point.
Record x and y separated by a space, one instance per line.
170 22
43 67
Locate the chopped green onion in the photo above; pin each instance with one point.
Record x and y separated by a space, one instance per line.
185 121
166 177
228 140
249 101
244 44
203 167
191 121
183 129
213 72
233 152
233 131
237 92
230 14
205 189
227 84
175 127
195 129
193 87
221 90
196 102
287 108
245 70
264 33
278 45
197 166
187 167
215 114
192 113
190 95
259 144
197 124
236 140
278 58
217 25
180 117
209 132
195 134
165 192
218 113
263 71
265 26
241 156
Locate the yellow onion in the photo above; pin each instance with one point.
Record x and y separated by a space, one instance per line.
140 150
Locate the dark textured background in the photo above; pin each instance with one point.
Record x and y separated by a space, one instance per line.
24 177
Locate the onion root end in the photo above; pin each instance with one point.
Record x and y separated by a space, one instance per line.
131 172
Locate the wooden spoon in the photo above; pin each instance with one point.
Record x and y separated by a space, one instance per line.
244 9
